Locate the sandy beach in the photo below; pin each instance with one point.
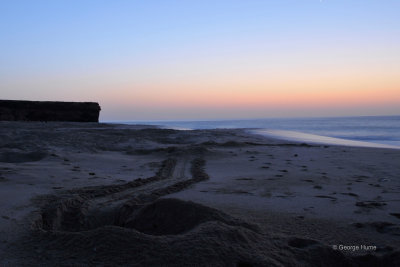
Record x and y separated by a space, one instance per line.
92 194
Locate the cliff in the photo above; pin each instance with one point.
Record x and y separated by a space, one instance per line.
17 110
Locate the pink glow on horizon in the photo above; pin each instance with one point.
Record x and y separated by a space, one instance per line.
258 96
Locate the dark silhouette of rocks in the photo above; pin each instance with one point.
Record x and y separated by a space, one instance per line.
18 110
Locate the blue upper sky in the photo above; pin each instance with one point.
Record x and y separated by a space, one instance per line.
130 55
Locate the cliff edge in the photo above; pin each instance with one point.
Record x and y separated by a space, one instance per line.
20 110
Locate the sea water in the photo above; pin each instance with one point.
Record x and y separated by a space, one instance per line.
367 129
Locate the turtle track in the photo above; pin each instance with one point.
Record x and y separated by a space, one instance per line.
96 206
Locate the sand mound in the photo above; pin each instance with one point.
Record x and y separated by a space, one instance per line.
174 216
165 232
210 244
173 232
216 241
161 217
19 157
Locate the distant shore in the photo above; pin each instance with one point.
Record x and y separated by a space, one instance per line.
117 194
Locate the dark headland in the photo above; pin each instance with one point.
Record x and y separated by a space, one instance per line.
21 110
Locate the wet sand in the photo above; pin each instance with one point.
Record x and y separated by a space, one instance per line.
101 194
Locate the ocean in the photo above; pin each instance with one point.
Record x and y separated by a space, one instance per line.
366 129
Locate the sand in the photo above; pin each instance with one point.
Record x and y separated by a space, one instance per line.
91 194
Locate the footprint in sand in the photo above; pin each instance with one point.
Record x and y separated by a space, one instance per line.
252 158
244 179
370 204
350 194
333 199
397 215
375 185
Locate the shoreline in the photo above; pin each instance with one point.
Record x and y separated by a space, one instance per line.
317 139
279 128
101 186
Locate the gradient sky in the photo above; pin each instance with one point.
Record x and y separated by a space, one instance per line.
153 60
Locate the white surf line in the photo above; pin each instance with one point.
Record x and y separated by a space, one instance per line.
175 128
316 139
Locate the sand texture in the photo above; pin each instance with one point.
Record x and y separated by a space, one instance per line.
88 194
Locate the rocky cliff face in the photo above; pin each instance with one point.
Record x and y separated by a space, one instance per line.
16 110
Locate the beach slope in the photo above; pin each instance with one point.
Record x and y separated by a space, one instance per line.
135 195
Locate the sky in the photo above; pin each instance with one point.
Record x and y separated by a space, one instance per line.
219 59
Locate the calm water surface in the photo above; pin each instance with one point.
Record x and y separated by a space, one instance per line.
373 129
